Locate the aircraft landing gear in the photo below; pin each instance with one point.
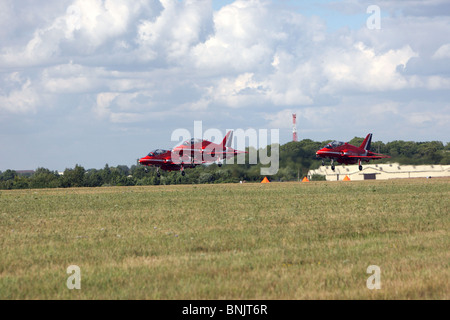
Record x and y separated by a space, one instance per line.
332 165
157 172
360 166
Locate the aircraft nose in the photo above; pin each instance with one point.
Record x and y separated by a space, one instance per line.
143 160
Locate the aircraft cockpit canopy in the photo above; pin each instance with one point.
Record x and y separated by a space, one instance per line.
191 142
157 152
334 144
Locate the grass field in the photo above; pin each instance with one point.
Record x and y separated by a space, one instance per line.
232 241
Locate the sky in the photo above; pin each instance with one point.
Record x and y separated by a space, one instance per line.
95 82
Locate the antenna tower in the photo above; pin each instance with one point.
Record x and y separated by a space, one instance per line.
294 130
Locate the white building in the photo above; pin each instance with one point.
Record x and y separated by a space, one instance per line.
381 172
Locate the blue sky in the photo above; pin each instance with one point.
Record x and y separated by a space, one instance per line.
325 9
91 82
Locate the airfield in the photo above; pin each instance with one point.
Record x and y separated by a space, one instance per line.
290 240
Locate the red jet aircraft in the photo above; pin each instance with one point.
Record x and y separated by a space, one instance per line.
190 154
345 153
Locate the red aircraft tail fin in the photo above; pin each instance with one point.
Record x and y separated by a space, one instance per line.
227 140
366 143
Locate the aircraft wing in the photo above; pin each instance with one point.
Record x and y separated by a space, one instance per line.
187 150
206 151
369 157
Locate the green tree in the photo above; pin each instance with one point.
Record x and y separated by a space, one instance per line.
106 174
74 177
93 178
44 178
8 175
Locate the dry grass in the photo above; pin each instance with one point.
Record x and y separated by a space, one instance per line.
249 241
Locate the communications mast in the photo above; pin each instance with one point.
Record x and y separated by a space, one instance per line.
294 130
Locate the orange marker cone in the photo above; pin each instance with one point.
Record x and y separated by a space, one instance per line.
346 178
305 179
265 180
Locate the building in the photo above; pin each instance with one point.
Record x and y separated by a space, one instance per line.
25 173
381 172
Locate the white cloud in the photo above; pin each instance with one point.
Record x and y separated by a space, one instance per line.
124 117
22 100
438 83
238 92
443 52
179 27
246 34
360 68
239 55
6 17
428 118
104 100
84 27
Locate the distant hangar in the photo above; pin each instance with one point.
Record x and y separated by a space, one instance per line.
381 172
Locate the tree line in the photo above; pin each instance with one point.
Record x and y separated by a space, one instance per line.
295 160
